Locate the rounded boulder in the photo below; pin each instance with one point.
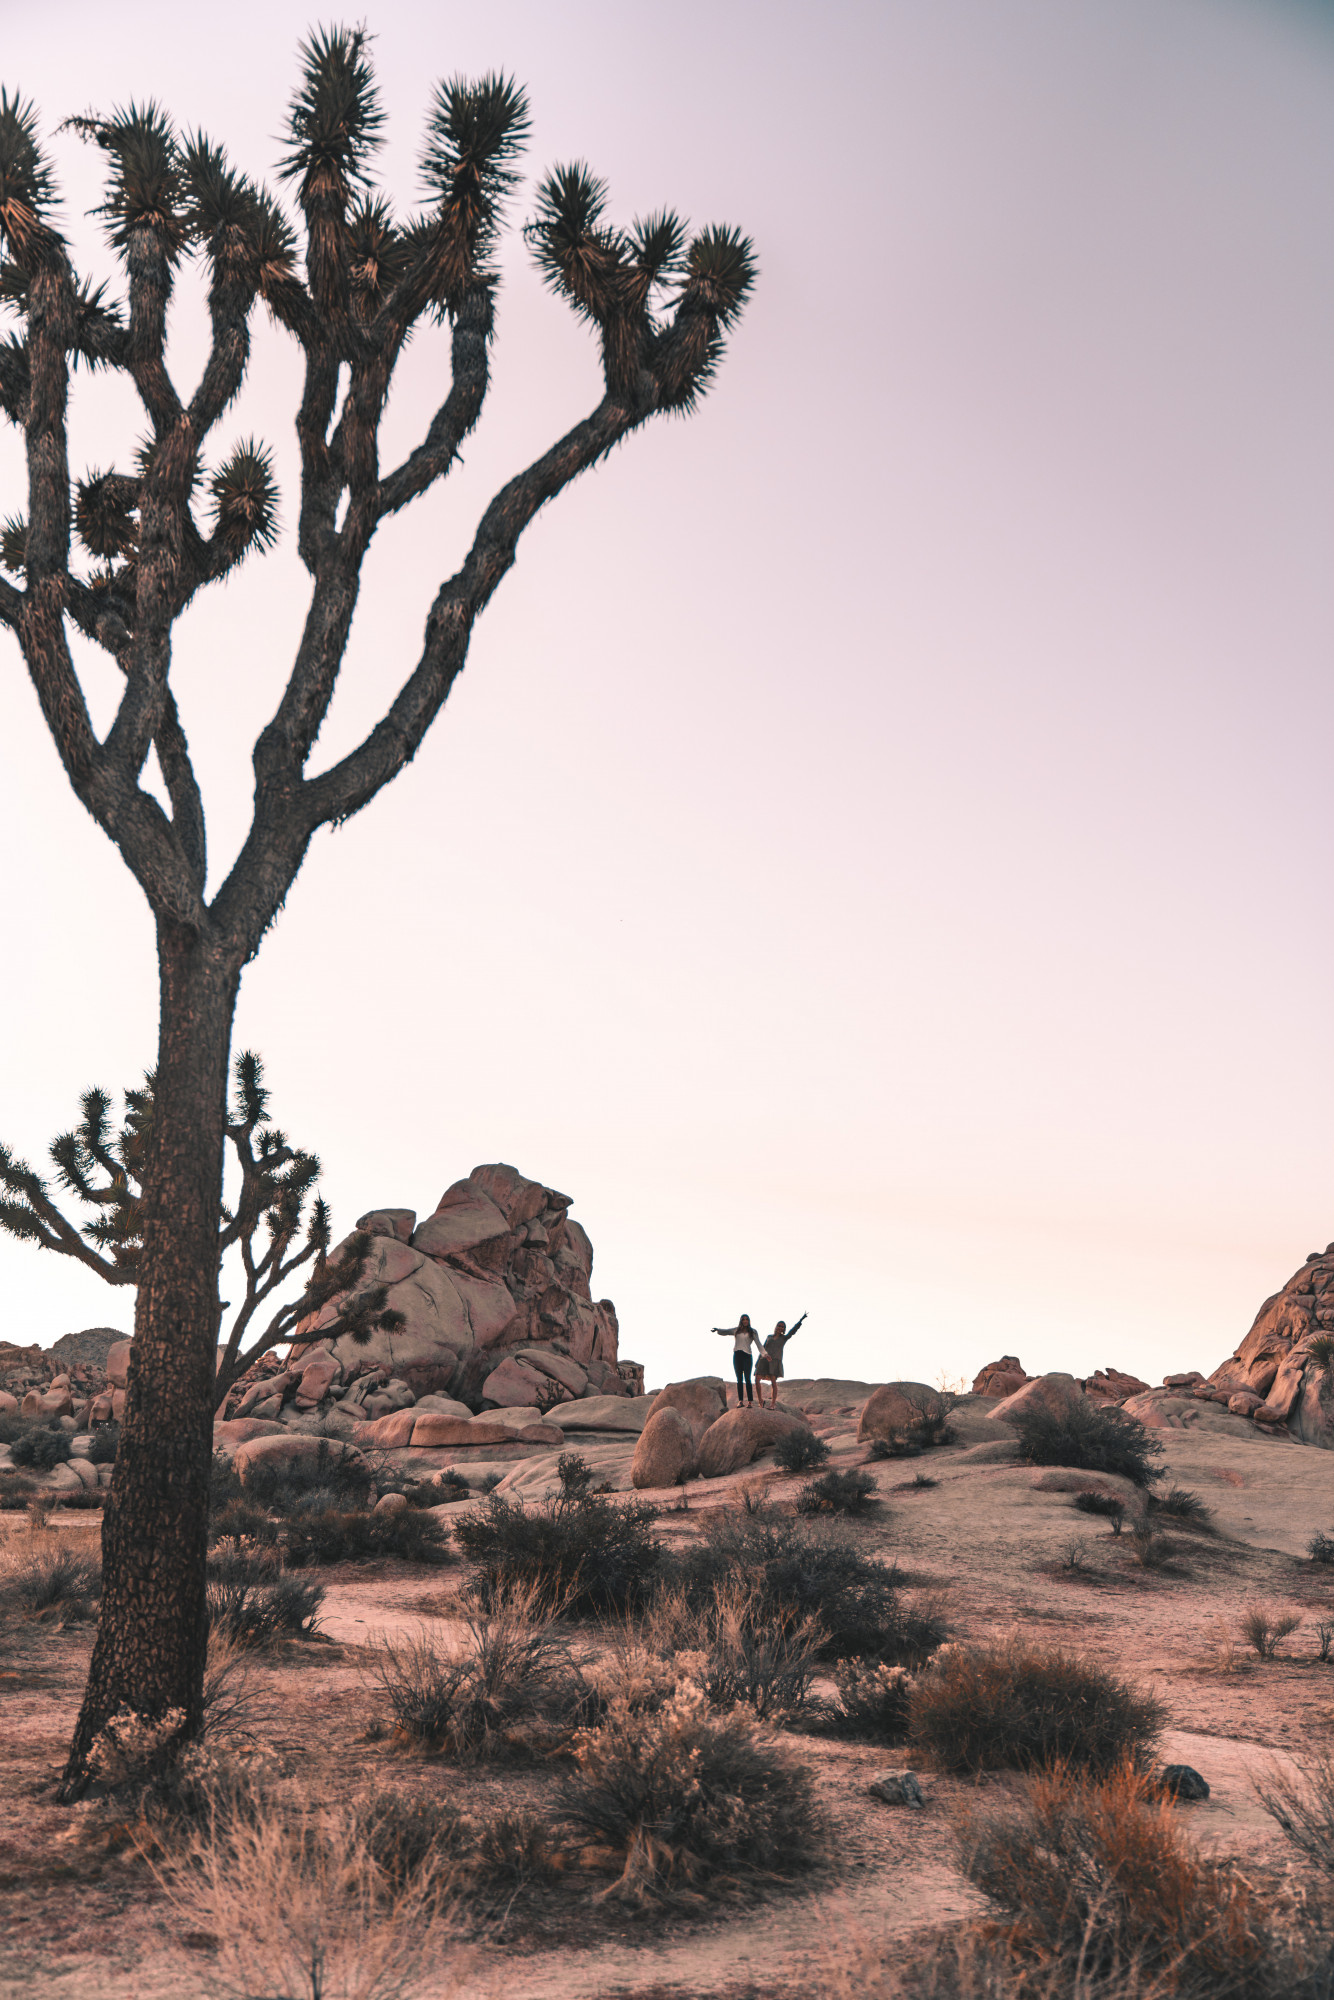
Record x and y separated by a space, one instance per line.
700 1402
665 1454
740 1436
294 1448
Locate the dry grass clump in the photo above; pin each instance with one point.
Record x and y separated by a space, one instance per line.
744 1651
690 1803
511 1687
255 1601
1264 1627
1021 1706
301 1906
42 1576
871 1704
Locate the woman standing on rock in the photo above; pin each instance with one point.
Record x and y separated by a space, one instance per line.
769 1367
743 1337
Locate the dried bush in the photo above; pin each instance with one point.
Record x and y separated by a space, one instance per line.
816 1573
44 1579
1303 1807
40 1447
301 1907
240 1520
254 1601
930 1424
1183 1506
696 1802
17 1491
838 1493
410 1837
1104 1893
320 1531
1148 1548
512 1849
1091 1438
104 1444
580 1551
1021 1706
1264 1627
1320 1548
871 1702
745 1651
897 1445
511 1686
801 1451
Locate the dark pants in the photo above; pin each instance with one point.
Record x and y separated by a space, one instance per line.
741 1362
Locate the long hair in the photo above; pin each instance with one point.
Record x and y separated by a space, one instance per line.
744 1320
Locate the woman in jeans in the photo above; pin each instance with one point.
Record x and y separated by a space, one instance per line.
743 1337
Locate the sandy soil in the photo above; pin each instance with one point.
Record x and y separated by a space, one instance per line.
77 1920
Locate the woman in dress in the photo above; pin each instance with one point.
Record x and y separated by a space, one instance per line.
743 1337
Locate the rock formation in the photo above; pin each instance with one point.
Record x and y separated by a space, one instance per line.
494 1288
1283 1371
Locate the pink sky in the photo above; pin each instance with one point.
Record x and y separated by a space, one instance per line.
877 858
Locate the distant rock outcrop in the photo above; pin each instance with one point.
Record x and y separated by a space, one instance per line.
496 1296
1283 1371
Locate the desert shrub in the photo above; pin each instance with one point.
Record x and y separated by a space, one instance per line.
574 1474
324 1533
104 1444
300 1906
1303 1806
1091 1438
1320 1548
1021 1706
1109 1505
897 1445
240 1520
1264 1627
39 1448
224 1483
407 1837
919 1482
581 1552
448 1485
801 1451
816 1574
1103 1892
1148 1548
280 1486
930 1424
694 1801
17 1491
1184 1506
870 1704
512 1849
838 1493
12 1426
254 1601
747 1652
58 1584
509 1687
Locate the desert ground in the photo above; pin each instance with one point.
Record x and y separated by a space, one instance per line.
989 1542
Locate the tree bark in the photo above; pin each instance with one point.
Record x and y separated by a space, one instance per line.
152 1633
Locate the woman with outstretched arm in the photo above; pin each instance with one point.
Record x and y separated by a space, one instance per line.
743 1337
769 1367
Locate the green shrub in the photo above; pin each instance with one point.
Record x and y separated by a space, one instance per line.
240 1520
279 1486
1022 1707
801 1451
1109 1505
758 1655
696 1802
38 1449
838 1493
897 1445
584 1554
104 1444
574 1474
1320 1548
324 1533
815 1573
1091 1438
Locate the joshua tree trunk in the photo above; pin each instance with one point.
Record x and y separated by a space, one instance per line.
661 303
153 1632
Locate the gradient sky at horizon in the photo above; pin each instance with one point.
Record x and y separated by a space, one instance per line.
876 859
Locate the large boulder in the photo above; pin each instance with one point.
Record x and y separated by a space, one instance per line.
893 1408
1001 1378
740 1436
602 1413
1275 1362
665 1454
234 1431
118 1364
293 1448
514 1382
1054 1393
701 1402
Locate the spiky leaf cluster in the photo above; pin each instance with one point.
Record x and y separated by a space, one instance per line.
335 118
27 184
245 501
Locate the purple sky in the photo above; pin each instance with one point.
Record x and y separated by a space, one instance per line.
877 858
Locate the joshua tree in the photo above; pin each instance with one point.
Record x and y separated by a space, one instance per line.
271 1228
348 282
